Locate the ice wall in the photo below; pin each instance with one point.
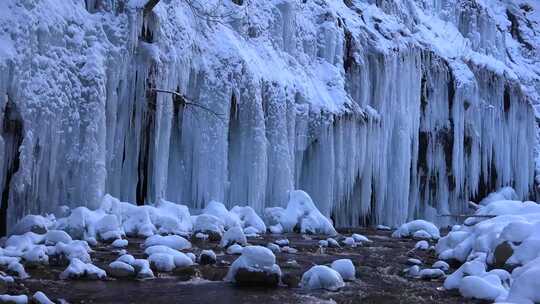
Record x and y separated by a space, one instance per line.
382 111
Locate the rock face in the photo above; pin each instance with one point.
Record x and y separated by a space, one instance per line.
407 111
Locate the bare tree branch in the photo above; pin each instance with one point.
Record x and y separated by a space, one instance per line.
149 6
189 103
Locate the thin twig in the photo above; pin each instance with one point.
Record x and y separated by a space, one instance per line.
189 103
467 215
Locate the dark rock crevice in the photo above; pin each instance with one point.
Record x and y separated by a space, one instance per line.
12 133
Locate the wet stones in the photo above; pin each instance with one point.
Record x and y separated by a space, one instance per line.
291 280
501 254
246 277
207 257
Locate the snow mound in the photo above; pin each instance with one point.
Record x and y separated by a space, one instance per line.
302 213
322 277
428 230
345 268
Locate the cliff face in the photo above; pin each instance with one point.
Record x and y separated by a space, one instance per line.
381 110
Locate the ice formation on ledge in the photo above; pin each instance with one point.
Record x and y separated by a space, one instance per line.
382 113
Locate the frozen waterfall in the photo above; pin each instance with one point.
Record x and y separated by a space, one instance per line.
381 113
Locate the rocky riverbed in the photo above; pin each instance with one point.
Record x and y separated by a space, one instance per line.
379 276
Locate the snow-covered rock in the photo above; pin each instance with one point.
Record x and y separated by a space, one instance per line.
257 265
415 262
209 224
442 265
6 279
52 237
274 247
121 269
383 228
288 249
235 249
234 235
13 299
78 269
421 245
360 238
74 250
18 269
503 194
301 212
322 277
36 255
413 271
172 241
218 210
422 229
162 262
120 243
332 243
349 241
108 228
251 232
142 267
249 219
525 287
41 298
207 257
282 242
32 223
126 258
345 268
